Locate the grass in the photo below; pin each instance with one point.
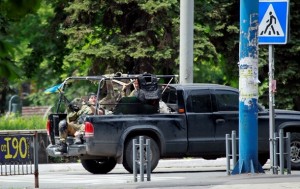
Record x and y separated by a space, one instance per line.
13 122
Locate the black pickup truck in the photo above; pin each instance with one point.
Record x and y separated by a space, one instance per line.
197 119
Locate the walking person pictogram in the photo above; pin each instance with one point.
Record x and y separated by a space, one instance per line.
271 20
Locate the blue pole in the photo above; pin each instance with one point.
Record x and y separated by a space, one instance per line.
248 88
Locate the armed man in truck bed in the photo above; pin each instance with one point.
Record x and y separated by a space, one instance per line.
74 123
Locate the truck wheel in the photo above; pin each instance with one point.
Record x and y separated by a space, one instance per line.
128 155
99 166
295 151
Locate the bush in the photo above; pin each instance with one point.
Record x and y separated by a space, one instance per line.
22 123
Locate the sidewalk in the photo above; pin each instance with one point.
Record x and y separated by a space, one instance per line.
191 174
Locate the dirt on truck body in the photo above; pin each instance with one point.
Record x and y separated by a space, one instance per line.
180 120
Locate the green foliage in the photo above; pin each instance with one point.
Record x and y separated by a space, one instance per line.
11 11
22 123
216 32
39 99
67 38
16 9
286 64
126 36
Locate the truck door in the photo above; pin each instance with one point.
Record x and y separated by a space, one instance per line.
200 122
226 115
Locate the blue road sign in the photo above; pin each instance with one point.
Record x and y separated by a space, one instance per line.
273 21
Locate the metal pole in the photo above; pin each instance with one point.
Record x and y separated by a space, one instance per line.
142 158
134 160
288 152
275 153
227 136
233 147
36 159
281 151
148 159
271 107
5 169
248 87
186 41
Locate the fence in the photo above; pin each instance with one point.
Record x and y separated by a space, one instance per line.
231 150
19 153
140 160
284 145
281 143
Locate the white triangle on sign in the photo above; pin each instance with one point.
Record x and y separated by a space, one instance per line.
270 26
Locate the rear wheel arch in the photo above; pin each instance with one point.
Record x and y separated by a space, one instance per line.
155 153
150 131
291 128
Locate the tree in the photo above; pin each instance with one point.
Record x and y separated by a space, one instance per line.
216 42
90 37
286 66
133 36
10 11
127 36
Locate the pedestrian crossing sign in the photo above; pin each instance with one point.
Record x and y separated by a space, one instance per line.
273 21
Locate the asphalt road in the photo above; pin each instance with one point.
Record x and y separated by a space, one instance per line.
183 173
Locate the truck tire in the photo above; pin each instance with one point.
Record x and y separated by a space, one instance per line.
295 151
128 155
99 166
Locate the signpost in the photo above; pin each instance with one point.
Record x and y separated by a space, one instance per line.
273 29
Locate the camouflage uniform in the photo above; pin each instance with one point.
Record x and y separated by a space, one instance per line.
74 122
108 103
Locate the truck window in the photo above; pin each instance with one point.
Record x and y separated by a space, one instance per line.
170 98
227 100
199 102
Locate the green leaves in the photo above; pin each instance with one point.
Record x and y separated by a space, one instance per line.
135 31
155 6
63 38
16 9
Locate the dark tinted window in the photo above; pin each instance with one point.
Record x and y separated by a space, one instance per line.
227 100
169 96
199 101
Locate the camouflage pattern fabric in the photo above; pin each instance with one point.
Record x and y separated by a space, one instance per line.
72 120
108 103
